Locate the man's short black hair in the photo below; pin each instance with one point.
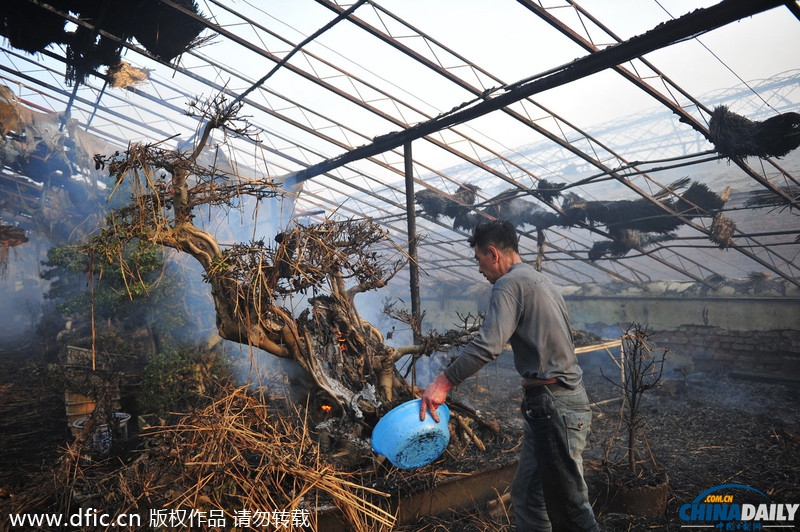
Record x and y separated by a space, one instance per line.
498 233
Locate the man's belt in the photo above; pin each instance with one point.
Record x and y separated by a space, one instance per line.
536 385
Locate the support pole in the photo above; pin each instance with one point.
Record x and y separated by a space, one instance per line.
412 240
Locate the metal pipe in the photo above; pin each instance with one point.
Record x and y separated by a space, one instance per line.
413 268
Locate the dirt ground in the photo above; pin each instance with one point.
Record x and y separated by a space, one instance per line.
704 430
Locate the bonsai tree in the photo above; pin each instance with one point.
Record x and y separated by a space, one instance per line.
328 263
105 302
109 326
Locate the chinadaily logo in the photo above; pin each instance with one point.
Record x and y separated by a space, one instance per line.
738 507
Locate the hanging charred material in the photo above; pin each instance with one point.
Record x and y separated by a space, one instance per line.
29 27
624 241
722 230
767 198
643 215
437 205
458 207
631 224
510 206
163 30
736 136
547 191
637 224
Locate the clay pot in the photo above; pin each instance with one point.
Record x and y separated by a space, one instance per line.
645 500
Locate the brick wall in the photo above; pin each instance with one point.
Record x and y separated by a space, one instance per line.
770 354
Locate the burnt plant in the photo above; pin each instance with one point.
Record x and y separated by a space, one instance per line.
642 369
328 263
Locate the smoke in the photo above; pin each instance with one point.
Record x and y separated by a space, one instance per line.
23 291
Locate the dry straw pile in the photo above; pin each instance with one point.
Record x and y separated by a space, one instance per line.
236 455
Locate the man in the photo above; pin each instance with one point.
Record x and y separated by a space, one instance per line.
525 309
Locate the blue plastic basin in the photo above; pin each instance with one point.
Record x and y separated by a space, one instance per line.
406 441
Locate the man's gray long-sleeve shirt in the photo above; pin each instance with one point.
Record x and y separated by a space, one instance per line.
527 311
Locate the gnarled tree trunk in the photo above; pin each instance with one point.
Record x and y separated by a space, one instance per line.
335 260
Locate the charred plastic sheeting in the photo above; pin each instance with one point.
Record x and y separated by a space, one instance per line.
165 31
736 136
631 224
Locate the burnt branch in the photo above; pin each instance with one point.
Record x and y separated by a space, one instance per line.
218 114
434 340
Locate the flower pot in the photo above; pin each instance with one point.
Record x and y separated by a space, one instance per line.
644 500
78 406
104 435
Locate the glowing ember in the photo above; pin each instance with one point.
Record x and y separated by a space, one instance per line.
326 408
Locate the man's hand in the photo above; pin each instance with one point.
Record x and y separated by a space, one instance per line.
435 396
